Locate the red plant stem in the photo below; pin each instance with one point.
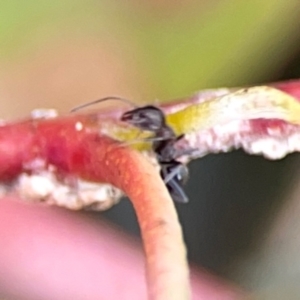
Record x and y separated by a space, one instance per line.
95 157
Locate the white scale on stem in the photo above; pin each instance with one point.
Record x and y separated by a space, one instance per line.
239 120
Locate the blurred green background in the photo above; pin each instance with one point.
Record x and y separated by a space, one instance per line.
62 53
57 53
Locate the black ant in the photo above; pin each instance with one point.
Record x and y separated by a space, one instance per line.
173 172
153 119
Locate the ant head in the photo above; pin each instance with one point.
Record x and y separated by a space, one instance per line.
148 118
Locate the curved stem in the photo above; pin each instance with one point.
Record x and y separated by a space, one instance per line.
167 269
95 157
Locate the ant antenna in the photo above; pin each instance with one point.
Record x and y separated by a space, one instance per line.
102 100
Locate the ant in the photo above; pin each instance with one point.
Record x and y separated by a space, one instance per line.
151 118
173 172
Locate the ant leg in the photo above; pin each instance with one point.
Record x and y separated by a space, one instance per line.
176 192
178 172
174 175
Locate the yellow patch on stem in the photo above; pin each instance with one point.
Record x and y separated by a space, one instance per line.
245 104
